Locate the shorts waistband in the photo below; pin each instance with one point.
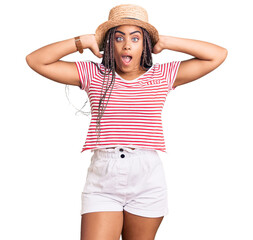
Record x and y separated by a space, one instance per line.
122 152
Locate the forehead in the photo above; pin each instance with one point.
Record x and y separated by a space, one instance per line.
128 28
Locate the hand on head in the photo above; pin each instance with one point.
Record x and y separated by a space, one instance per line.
158 46
92 44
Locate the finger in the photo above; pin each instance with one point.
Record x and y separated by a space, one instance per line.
96 53
156 51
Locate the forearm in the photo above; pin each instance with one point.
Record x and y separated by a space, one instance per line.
199 49
55 51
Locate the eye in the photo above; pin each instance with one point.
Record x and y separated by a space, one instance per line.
118 39
135 39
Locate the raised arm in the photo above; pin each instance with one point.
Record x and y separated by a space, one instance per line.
208 57
46 60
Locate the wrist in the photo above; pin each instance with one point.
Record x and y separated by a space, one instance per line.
78 44
163 41
86 40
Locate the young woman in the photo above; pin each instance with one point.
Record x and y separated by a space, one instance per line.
125 190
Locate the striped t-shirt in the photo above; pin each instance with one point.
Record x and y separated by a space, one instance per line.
133 114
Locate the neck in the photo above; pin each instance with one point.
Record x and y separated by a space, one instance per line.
131 74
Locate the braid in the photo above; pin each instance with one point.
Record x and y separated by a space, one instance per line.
109 63
146 58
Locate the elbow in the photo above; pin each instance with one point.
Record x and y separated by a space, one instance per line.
224 54
221 57
28 59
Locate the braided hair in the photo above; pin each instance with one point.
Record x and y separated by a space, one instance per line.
110 65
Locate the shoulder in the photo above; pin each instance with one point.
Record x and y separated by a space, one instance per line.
90 66
168 65
88 63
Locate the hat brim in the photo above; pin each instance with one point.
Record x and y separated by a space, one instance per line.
104 27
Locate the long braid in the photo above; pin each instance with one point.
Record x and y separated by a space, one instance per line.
146 58
109 63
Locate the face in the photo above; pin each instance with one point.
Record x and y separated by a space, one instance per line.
128 47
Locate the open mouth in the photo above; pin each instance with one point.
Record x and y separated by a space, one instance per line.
126 59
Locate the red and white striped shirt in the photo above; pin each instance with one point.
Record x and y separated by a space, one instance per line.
133 114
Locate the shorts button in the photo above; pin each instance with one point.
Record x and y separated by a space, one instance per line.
121 149
122 155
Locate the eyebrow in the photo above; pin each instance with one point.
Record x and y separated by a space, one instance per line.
130 33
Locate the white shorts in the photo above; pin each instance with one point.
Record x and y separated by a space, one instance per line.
124 178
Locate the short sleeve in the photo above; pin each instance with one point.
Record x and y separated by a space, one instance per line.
169 71
84 69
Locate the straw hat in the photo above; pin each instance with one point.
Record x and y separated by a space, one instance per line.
126 14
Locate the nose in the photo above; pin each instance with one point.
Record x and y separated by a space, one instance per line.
127 45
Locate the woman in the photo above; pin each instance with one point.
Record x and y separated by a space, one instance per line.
125 190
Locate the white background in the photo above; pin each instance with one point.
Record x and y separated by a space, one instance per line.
207 123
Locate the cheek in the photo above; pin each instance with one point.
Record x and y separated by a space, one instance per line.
138 51
116 54
116 51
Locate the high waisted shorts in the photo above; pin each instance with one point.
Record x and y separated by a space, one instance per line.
125 178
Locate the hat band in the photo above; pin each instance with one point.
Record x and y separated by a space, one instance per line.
130 18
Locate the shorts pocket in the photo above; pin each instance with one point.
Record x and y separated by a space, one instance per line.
100 177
